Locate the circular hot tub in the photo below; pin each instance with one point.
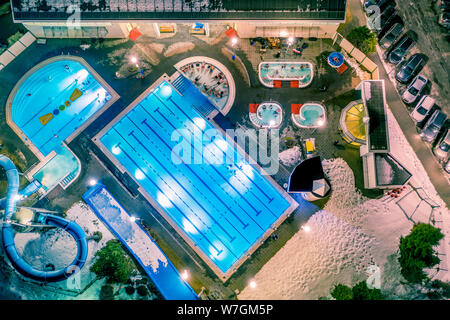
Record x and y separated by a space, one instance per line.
267 115
310 115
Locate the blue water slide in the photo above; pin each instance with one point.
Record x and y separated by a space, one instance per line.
9 204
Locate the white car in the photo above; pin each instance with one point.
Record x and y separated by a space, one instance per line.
414 89
422 109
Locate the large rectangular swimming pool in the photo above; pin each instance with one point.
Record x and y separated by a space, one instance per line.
222 206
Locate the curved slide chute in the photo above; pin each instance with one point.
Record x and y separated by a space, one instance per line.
9 204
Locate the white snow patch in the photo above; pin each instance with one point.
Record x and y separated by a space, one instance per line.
290 157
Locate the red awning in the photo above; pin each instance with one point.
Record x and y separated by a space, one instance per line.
295 108
231 33
134 34
252 107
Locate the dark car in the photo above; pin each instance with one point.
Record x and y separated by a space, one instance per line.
444 19
382 4
401 49
377 22
392 35
411 68
443 4
433 126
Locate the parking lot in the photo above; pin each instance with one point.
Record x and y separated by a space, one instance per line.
422 18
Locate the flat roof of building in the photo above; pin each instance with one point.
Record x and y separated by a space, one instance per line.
55 10
373 95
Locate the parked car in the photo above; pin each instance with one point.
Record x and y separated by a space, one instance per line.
443 4
442 149
414 89
380 3
411 67
401 49
447 167
377 23
392 35
422 109
444 19
433 126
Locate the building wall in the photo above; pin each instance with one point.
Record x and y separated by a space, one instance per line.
245 29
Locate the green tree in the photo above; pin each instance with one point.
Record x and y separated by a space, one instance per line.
112 262
364 39
358 292
342 292
14 38
417 253
362 292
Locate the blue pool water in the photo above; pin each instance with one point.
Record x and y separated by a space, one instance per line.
312 115
62 164
224 209
45 91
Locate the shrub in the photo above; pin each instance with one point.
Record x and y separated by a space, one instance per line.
142 291
416 252
107 292
14 38
97 236
289 142
364 39
362 292
342 292
359 292
129 290
112 262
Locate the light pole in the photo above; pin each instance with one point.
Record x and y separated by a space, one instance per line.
134 61
234 41
290 42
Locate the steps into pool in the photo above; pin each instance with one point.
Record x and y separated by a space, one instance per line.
198 99
68 179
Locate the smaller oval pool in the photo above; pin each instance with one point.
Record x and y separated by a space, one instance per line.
268 115
311 115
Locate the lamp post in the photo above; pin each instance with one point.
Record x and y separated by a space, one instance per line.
234 41
290 42
134 61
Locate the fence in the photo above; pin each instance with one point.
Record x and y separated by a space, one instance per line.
13 51
356 54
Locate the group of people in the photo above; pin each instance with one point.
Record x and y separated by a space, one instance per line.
218 84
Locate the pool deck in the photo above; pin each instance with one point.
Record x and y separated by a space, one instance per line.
224 276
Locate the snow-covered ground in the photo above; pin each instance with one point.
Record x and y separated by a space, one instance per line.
136 238
350 234
58 248
291 156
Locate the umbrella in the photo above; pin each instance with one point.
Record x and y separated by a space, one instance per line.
134 34
320 187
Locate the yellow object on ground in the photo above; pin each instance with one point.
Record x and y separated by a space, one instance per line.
310 146
45 118
75 94
354 121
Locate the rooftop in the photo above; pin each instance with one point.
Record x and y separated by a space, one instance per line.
181 9
373 95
